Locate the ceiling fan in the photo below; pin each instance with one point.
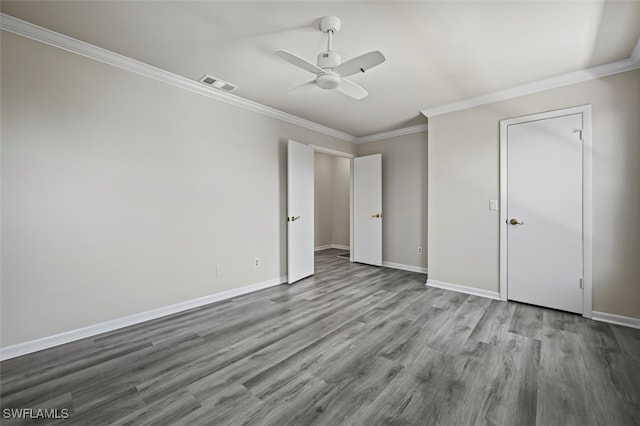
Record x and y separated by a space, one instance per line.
330 72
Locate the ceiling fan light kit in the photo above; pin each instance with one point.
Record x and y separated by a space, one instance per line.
330 70
328 81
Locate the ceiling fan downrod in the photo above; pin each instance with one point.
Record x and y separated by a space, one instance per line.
329 59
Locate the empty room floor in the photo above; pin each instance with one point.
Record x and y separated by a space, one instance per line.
354 344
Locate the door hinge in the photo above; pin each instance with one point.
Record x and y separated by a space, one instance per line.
581 283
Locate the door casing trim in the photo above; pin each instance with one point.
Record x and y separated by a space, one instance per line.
587 200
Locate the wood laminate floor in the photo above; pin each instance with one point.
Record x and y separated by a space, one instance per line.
353 345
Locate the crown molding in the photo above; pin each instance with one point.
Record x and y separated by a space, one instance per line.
52 38
393 133
629 64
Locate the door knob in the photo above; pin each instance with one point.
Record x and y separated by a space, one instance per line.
515 221
377 215
294 218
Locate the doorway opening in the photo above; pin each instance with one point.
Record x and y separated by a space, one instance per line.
332 203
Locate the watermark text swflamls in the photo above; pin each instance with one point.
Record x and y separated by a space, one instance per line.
35 413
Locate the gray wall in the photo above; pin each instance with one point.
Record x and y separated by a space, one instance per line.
404 197
463 177
120 194
332 199
323 202
341 190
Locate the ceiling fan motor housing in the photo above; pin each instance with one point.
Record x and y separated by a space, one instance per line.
328 59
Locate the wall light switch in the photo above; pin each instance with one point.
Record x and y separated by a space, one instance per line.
493 204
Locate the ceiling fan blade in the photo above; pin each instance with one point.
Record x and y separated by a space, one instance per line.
360 63
351 89
303 88
298 61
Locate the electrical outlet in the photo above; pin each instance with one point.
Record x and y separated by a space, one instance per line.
419 250
218 270
256 262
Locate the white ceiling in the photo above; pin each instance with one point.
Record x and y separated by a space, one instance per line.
438 52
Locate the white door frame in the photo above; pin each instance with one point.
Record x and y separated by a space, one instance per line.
587 202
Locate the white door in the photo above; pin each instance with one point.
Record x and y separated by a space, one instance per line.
544 212
299 211
367 209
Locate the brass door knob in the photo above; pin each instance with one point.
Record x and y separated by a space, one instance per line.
377 215
294 218
515 221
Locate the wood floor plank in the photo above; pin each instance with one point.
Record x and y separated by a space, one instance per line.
559 320
36 388
502 383
606 376
561 404
225 407
289 402
527 321
45 374
353 344
628 340
269 380
275 365
494 323
559 353
408 346
455 331
349 397
419 395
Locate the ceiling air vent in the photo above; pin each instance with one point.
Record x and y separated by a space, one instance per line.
217 83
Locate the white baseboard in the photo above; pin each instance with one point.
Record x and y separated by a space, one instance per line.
616 319
330 246
410 268
103 327
597 316
464 289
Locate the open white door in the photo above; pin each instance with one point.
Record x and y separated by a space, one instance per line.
367 209
299 211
